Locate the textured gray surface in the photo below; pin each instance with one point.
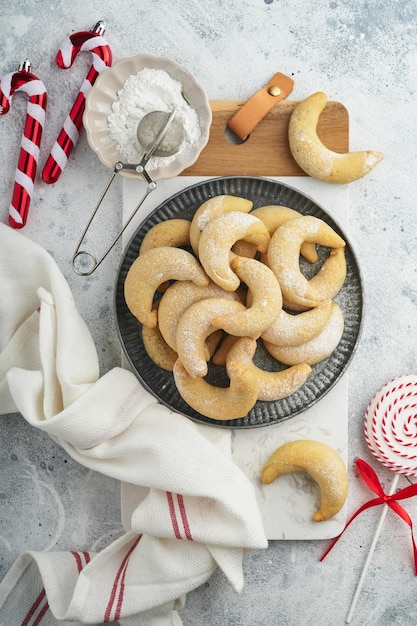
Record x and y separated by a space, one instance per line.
360 53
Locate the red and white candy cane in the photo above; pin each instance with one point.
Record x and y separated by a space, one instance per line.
85 41
24 80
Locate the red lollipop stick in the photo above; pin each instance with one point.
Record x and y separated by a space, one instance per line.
85 41
24 80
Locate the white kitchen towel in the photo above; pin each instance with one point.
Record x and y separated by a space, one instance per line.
200 512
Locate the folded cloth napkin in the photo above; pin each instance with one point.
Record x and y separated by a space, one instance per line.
200 511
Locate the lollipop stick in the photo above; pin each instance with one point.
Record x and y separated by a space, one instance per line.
370 553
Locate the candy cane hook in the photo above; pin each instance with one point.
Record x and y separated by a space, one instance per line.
24 80
90 41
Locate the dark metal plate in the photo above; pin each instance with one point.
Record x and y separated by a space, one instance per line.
324 376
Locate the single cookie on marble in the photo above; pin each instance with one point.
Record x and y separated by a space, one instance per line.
321 462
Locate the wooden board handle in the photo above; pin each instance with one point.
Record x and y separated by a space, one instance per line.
266 151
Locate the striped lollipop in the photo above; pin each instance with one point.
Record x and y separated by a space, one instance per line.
390 425
23 80
390 429
85 41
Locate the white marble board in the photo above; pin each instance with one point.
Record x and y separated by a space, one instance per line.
287 505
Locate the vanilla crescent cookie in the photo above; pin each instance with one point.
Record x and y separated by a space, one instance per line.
174 233
314 157
157 349
212 342
273 216
152 268
293 330
195 325
325 284
177 298
212 208
220 355
217 239
329 279
315 350
163 355
321 462
272 385
283 259
266 300
219 403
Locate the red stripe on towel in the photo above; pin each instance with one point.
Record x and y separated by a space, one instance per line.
184 518
34 608
41 615
78 560
121 593
42 596
116 590
173 515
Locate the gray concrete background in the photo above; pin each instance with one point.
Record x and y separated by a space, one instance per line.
361 53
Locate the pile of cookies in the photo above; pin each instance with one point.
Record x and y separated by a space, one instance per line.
210 290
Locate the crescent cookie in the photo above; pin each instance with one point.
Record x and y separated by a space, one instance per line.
294 330
219 403
174 233
219 357
217 239
212 342
283 258
163 355
272 385
326 284
212 208
321 462
195 326
315 350
273 216
312 155
152 268
177 298
330 278
157 349
266 300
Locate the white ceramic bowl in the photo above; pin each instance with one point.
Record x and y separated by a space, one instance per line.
104 92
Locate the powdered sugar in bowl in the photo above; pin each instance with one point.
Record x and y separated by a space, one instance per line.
130 89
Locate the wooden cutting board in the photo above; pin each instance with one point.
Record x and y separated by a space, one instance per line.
266 151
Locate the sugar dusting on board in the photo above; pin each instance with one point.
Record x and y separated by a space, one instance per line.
150 90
